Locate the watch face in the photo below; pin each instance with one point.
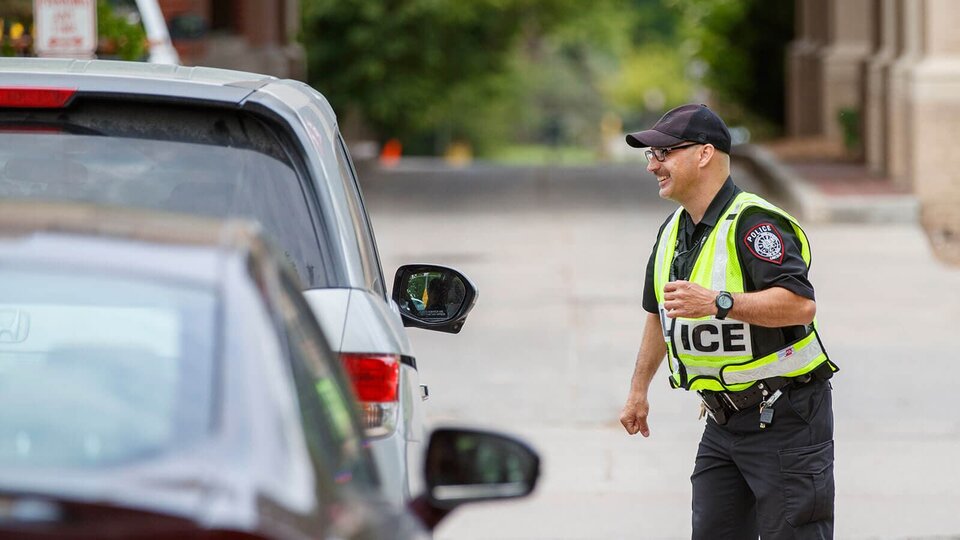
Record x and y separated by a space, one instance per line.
724 301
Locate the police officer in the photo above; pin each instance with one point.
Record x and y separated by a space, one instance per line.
730 305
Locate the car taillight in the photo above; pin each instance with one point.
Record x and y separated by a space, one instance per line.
376 381
36 98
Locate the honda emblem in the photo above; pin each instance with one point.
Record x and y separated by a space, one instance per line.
14 325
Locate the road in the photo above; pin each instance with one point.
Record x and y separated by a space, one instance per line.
558 255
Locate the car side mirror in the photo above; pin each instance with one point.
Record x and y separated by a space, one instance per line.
465 466
433 297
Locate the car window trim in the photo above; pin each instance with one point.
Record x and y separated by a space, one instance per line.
286 130
355 179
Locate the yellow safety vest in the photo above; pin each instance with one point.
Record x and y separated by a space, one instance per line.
712 354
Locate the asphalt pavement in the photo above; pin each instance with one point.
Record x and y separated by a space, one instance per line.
547 354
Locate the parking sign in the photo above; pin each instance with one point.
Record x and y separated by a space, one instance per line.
65 28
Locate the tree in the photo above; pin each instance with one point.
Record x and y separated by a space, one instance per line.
744 44
425 68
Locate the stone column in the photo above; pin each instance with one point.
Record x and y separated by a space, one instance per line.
260 23
909 50
849 37
877 78
262 27
934 98
803 97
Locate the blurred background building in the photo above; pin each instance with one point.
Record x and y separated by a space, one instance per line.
248 35
883 78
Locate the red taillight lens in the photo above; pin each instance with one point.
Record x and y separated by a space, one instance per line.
36 98
375 377
376 381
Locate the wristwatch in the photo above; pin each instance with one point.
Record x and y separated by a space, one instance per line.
724 304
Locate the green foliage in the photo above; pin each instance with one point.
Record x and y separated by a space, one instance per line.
653 74
434 71
652 77
556 92
743 42
502 73
850 123
654 21
119 38
481 113
398 61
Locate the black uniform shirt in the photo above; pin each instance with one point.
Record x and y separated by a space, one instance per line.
768 249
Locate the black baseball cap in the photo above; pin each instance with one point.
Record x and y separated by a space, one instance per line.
692 122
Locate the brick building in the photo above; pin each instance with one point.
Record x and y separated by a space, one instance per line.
249 35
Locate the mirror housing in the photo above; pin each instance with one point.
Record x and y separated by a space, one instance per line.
433 297
465 466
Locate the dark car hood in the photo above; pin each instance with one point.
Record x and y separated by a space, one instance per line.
30 516
182 498
179 488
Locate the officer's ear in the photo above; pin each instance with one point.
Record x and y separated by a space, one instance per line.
706 155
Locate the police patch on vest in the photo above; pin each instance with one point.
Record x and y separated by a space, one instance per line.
712 337
765 242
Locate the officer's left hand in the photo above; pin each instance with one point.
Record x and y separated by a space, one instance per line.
688 300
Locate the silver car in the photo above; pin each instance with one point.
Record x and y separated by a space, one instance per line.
164 378
230 144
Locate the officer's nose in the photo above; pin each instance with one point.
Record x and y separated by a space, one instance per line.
653 165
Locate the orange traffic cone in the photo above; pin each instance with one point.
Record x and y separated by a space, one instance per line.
390 155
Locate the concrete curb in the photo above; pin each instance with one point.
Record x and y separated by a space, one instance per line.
813 205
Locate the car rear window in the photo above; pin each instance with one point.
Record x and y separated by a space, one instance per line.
101 370
205 161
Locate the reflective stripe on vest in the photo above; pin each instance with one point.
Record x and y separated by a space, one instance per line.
710 354
789 361
665 254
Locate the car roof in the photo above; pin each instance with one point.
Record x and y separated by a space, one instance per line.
132 71
201 84
171 245
132 79
192 83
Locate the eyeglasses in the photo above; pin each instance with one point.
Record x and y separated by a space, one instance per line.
661 153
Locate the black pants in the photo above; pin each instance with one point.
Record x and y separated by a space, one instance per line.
775 483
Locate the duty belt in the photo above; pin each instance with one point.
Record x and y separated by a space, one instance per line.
723 405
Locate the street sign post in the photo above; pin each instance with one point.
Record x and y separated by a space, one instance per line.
65 28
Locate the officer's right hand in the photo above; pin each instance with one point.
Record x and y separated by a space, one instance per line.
634 415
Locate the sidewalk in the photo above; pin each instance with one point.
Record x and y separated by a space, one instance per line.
825 188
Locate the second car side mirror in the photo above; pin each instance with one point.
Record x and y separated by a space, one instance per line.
433 297
465 466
